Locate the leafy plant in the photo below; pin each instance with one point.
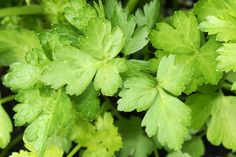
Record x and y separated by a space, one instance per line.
79 65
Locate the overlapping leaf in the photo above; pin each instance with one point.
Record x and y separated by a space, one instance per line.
97 139
135 142
164 111
222 111
183 39
6 128
98 47
15 43
46 111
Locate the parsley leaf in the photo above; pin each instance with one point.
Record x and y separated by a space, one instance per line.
110 6
200 105
15 43
167 68
97 139
50 151
79 13
81 65
221 109
194 147
6 128
99 34
142 93
135 142
226 57
46 111
224 29
149 14
182 36
87 104
138 93
23 75
169 117
222 124
205 8
135 39
178 154
78 70
186 47
223 23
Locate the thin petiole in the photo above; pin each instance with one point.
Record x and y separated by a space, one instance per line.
7 99
74 150
22 10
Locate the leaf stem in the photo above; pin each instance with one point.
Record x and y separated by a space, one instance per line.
74 150
113 110
22 10
131 5
156 153
115 113
226 85
16 140
7 99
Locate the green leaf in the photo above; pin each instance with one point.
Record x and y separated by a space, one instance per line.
194 147
223 26
79 14
99 34
135 142
227 57
186 47
97 139
205 8
25 75
169 118
142 93
207 63
110 74
78 70
148 16
178 154
222 124
181 35
54 9
6 128
15 43
136 68
173 77
135 39
23 153
46 111
50 151
138 40
79 66
138 93
99 7
88 103
17 78
201 106
110 6
199 62
58 37
230 7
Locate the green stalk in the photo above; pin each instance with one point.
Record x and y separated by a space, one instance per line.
22 10
14 142
7 99
226 85
156 153
74 150
131 5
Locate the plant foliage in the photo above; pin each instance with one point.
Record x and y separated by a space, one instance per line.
77 69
